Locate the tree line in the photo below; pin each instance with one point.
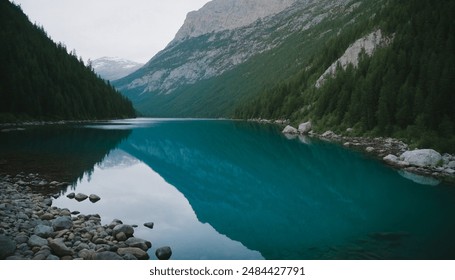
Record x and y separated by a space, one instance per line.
404 90
40 80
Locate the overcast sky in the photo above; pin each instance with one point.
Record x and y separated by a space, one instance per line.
131 29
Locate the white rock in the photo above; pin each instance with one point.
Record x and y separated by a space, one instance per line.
304 128
329 134
425 157
290 130
394 160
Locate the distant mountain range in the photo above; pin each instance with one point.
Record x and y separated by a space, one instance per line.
113 68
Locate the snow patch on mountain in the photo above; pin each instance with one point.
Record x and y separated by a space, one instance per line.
113 68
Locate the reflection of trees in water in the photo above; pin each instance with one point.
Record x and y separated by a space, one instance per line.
62 153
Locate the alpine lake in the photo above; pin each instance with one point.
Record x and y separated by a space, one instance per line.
222 189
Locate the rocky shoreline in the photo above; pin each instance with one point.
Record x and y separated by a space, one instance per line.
32 229
422 166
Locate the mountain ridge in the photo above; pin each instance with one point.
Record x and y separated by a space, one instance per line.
198 60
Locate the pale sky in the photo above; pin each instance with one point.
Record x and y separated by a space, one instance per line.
131 29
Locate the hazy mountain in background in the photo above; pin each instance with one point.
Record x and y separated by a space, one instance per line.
113 68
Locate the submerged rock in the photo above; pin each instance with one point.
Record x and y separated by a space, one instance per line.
419 179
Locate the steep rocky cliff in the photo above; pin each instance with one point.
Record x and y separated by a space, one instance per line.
229 50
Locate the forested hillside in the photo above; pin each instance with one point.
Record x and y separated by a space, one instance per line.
405 90
39 80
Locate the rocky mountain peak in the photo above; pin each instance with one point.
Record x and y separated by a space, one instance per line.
219 15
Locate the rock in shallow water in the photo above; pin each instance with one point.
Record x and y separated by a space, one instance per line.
94 198
149 225
163 253
81 197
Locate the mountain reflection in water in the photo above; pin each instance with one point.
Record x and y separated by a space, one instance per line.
238 190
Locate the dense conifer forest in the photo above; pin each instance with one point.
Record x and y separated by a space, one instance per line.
404 90
40 80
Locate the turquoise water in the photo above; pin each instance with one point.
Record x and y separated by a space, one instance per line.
236 190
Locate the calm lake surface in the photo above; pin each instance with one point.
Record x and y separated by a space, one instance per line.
220 189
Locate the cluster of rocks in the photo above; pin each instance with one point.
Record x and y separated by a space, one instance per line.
81 197
394 152
31 228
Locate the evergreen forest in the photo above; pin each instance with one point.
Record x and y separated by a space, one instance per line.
404 90
41 80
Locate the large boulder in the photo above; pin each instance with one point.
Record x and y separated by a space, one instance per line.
7 247
43 231
81 197
138 243
94 198
126 229
59 247
61 223
290 130
304 128
422 158
137 252
163 253
36 241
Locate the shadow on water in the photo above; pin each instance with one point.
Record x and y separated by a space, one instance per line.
57 152
291 200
